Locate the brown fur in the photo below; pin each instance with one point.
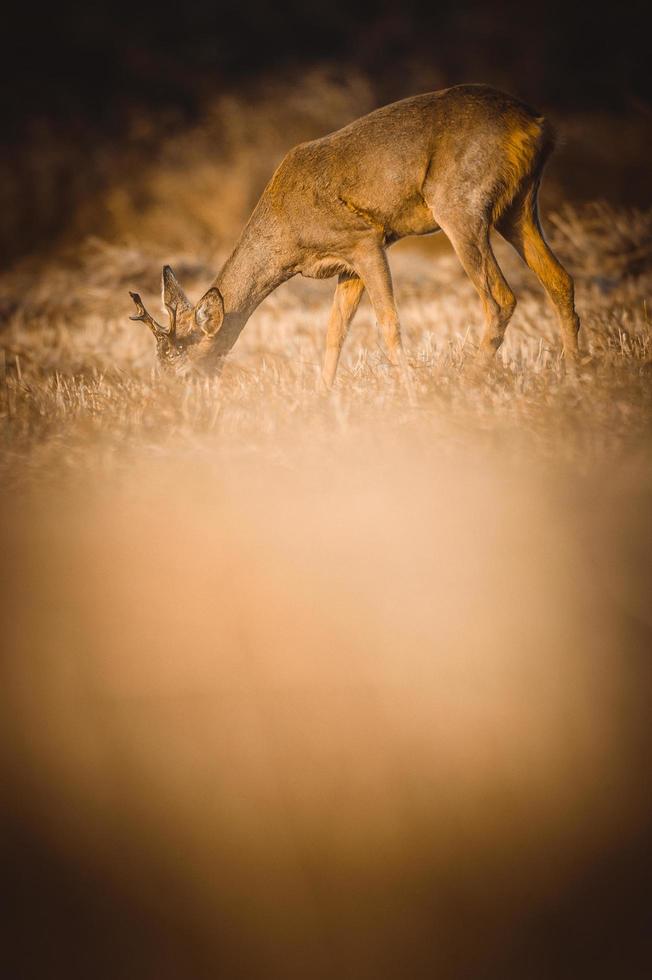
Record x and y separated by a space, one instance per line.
462 160
527 147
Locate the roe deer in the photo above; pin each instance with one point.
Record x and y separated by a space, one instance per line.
463 160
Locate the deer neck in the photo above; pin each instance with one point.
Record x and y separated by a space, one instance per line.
258 264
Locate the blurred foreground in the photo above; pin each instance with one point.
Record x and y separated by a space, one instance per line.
381 716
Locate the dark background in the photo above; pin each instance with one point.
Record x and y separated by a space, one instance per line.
89 61
76 76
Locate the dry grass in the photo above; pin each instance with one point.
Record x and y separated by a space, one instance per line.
79 377
323 686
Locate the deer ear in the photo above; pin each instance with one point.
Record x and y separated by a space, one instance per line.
174 297
209 312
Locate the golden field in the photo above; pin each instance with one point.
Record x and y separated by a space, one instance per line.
305 685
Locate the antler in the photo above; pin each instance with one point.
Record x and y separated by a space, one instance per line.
145 317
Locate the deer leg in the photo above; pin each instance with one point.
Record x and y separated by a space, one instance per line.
498 301
521 228
372 267
348 294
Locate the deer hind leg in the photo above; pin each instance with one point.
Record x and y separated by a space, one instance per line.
348 294
474 251
521 228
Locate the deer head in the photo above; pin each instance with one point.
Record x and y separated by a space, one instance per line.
191 338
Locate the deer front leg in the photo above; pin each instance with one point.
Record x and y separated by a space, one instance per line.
372 267
348 294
